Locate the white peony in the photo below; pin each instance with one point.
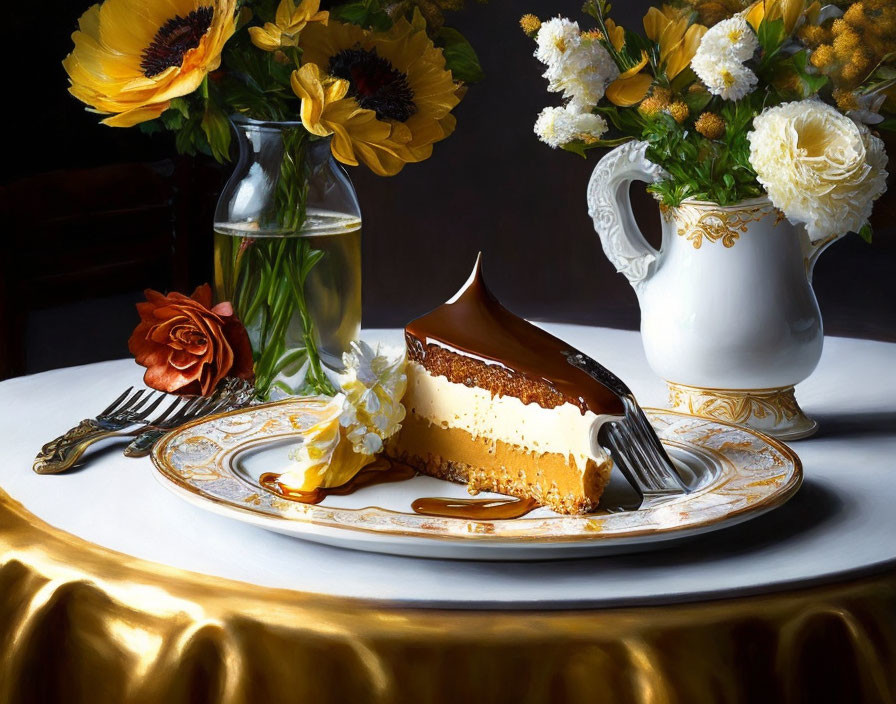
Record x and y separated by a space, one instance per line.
557 126
731 38
818 167
719 60
727 78
578 67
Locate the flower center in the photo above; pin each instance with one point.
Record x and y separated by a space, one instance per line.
174 39
375 83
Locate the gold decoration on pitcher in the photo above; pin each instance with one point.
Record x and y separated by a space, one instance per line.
735 406
699 222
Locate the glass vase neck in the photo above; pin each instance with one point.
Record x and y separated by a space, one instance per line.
283 174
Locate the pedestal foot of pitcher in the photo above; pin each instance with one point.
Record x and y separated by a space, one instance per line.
771 411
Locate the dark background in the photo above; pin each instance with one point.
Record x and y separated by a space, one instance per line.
492 186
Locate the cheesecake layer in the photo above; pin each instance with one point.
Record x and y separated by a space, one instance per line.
562 429
553 479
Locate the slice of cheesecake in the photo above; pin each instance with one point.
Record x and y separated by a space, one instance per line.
492 402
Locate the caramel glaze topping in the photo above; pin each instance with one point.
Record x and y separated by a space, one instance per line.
474 323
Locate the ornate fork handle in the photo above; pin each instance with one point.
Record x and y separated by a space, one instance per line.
142 445
60 454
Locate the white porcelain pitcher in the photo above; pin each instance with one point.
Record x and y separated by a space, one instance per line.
728 315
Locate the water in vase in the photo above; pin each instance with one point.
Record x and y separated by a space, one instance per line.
298 294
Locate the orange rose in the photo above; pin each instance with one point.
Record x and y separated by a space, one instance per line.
186 345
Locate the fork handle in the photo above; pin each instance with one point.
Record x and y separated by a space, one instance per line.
60 454
142 445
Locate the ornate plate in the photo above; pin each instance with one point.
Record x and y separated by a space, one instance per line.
215 463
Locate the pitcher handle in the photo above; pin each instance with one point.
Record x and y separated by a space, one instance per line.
815 248
610 207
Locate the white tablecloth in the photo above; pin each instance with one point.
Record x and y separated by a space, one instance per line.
840 525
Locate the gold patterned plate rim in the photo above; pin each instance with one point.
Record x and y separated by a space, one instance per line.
756 474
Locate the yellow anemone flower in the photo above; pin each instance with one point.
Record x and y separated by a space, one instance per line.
631 86
678 42
615 33
397 86
132 57
288 23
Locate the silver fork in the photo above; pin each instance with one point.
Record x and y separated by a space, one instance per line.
233 393
631 440
131 408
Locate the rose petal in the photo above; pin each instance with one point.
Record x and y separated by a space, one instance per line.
203 296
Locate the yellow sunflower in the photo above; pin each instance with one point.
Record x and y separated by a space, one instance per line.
395 95
132 57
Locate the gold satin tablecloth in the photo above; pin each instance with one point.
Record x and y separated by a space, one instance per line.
82 624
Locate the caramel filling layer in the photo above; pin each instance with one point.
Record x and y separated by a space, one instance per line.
550 478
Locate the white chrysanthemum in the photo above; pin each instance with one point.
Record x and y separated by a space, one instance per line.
732 38
727 78
554 39
583 74
559 125
818 167
719 60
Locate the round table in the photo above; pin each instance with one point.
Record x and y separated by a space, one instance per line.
113 589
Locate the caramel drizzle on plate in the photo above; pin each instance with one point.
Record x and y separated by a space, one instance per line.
475 509
384 471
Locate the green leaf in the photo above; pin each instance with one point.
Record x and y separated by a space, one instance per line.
366 14
866 232
173 119
460 57
685 78
771 36
889 124
696 102
151 127
216 128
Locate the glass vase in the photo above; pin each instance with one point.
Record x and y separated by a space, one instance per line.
288 256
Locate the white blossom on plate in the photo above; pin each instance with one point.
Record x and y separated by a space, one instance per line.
557 126
373 383
818 166
353 425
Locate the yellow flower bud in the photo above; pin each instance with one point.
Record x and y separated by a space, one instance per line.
823 56
530 24
710 125
679 111
846 100
855 14
845 44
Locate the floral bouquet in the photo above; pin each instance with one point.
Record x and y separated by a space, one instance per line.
381 78
377 80
735 100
